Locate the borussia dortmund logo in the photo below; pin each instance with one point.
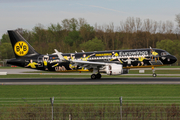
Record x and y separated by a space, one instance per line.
21 48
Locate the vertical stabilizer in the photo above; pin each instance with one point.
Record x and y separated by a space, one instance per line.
20 46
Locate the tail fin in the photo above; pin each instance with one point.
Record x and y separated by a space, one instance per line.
20 46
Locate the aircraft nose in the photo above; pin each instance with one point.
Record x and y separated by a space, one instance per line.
173 59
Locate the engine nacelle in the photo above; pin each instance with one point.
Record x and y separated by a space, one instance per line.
114 69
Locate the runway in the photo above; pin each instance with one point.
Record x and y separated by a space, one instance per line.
88 81
85 81
26 70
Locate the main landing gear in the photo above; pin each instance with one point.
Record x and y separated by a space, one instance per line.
154 74
96 76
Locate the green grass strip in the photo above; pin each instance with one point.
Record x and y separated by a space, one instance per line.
82 93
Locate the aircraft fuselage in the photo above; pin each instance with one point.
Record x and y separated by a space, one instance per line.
113 62
134 58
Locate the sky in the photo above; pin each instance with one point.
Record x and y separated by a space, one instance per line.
27 14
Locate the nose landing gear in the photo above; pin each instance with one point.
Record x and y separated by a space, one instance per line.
154 74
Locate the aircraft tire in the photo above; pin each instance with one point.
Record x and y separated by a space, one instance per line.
154 75
98 76
93 76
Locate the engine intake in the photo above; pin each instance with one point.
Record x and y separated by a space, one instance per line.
114 69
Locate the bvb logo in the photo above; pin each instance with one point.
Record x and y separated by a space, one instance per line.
21 48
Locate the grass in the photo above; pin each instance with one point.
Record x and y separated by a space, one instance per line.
90 101
91 112
89 93
169 66
11 67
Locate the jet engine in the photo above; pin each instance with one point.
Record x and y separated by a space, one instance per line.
114 69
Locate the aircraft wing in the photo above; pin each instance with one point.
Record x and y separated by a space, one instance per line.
81 63
88 64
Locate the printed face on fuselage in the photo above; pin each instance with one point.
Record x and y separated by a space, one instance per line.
84 55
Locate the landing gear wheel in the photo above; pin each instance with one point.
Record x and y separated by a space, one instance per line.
93 76
154 75
98 76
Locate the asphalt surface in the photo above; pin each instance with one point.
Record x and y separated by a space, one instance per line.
26 70
18 71
88 81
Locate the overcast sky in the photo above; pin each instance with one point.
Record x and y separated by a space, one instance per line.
28 13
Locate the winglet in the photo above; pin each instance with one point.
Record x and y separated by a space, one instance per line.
59 54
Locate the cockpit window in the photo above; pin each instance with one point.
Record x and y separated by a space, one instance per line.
167 53
164 53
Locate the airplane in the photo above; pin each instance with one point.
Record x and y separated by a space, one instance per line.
112 62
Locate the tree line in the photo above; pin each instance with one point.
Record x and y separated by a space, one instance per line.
76 35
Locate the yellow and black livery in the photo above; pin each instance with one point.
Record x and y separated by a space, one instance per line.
113 62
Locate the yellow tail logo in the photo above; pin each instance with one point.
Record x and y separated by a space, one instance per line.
21 48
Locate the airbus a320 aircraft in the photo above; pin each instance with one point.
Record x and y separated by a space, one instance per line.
113 62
